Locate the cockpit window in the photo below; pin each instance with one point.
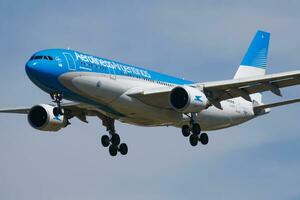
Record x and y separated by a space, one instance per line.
41 58
38 57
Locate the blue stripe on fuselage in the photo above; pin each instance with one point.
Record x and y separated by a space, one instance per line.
97 64
89 63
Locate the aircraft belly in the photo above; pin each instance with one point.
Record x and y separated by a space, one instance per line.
137 111
214 118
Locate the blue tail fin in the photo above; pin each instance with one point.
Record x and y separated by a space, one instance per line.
254 62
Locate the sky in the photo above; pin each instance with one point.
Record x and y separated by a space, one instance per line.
197 40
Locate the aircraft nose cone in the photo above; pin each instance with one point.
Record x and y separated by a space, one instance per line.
31 67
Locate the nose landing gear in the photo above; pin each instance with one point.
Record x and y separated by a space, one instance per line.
57 98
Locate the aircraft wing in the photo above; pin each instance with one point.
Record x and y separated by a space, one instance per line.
25 110
243 87
71 109
18 110
221 90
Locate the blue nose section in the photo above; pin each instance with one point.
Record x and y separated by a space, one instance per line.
33 70
31 67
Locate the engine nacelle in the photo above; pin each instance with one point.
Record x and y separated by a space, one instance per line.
41 117
187 99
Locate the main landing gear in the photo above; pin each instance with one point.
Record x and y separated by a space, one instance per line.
113 139
193 131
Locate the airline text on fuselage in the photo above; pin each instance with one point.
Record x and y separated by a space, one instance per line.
113 65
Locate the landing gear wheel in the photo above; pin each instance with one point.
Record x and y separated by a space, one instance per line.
123 149
194 140
204 139
57 111
196 129
113 150
186 131
105 140
115 139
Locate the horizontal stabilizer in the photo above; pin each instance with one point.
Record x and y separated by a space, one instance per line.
282 103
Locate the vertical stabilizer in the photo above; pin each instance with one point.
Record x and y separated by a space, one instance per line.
254 62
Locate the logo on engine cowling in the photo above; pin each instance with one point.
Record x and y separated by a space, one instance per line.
57 118
198 98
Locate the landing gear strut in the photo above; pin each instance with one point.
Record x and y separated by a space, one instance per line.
113 139
57 98
193 131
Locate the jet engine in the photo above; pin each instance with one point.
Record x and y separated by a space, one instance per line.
187 99
41 117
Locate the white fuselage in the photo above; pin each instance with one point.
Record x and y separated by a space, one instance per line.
112 90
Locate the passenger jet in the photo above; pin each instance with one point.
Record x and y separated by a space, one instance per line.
111 91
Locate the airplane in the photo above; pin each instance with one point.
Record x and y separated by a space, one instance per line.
111 91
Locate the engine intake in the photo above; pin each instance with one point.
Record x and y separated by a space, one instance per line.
41 117
186 99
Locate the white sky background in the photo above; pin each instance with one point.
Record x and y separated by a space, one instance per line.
201 41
